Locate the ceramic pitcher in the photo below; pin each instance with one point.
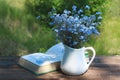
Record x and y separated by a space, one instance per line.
74 62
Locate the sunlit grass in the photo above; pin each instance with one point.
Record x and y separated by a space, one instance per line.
109 41
21 33
16 3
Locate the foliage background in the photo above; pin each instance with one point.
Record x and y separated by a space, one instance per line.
22 33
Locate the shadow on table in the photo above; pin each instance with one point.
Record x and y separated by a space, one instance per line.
110 65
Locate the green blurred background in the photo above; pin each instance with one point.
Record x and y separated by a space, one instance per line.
22 33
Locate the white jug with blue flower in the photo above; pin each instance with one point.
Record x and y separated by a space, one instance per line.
74 28
74 61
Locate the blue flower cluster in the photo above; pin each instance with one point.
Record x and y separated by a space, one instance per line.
73 27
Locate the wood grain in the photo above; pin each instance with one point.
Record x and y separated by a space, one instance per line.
102 68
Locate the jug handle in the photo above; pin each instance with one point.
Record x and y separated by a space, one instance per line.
94 53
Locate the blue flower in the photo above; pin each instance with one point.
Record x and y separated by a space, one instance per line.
80 11
52 16
93 24
38 17
99 18
89 32
70 29
56 30
74 8
74 27
67 12
85 18
82 37
98 13
93 17
87 7
52 23
76 33
63 28
75 43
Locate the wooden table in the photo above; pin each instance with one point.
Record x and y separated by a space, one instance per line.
102 68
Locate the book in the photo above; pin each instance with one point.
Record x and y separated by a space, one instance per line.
41 63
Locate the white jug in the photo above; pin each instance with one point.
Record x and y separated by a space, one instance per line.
74 61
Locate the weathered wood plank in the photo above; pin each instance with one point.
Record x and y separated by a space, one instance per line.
102 68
